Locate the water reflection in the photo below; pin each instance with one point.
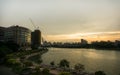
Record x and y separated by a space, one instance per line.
93 60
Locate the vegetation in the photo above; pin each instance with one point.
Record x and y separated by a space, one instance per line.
37 71
95 44
79 67
4 51
46 71
17 59
52 63
27 64
100 73
64 73
7 48
36 58
64 63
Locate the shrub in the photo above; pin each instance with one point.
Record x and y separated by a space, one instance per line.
28 63
100 73
64 73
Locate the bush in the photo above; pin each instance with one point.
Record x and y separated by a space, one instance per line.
17 69
45 71
64 63
100 73
28 63
4 51
79 67
64 73
13 62
52 63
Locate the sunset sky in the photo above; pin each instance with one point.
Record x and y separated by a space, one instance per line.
65 20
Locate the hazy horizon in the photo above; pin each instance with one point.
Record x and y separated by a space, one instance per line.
65 20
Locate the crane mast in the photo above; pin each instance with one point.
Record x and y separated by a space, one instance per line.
32 23
42 39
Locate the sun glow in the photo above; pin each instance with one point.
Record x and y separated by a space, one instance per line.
98 36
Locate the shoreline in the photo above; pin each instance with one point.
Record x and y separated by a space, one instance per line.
18 58
113 49
36 58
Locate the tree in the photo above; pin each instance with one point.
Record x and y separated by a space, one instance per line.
4 51
13 46
100 73
64 63
79 67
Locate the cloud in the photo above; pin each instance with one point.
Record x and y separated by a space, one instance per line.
56 17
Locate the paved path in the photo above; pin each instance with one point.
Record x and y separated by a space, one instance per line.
30 55
55 72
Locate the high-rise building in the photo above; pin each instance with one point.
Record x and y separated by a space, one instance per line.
19 35
36 39
2 34
84 42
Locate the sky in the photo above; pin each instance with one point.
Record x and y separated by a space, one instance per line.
65 20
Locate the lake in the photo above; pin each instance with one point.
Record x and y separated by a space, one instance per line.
94 60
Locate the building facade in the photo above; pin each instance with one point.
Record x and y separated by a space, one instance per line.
19 35
36 39
2 34
84 42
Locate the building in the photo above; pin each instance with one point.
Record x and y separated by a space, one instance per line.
84 42
36 39
2 34
19 35
117 43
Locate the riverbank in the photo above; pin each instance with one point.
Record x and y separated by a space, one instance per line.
36 57
114 49
94 60
28 62
18 61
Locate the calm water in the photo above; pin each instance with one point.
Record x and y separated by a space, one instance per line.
105 60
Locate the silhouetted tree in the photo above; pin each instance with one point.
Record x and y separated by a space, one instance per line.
13 46
4 51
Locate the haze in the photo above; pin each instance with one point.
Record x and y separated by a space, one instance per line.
65 20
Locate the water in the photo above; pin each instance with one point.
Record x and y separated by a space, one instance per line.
94 60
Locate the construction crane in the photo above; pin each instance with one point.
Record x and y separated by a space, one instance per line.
42 39
33 23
